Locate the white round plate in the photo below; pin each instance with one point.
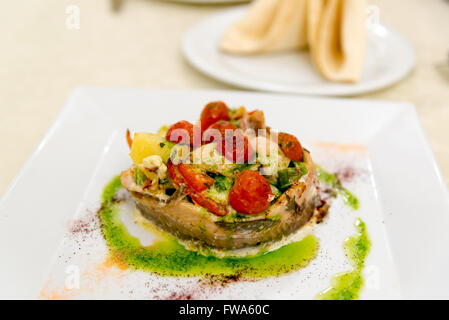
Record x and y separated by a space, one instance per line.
389 58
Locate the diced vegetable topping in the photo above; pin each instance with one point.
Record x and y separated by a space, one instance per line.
223 151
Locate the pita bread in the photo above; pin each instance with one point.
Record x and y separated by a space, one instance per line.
269 25
338 50
334 31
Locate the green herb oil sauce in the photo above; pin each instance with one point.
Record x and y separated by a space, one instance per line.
347 285
333 182
167 257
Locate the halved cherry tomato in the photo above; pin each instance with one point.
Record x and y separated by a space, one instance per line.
251 193
290 145
236 148
198 197
234 145
221 126
212 113
198 181
209 204
181 131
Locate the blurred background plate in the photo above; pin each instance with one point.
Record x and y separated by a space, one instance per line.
209 1
389 58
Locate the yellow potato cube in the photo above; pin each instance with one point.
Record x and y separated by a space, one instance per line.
149 144
163 130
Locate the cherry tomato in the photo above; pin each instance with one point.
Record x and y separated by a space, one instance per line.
236 148
198 197
290 145
198 181
175 175
181 131
221 126
209 204
251 193
212 113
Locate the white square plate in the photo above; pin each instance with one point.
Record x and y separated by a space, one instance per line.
407 210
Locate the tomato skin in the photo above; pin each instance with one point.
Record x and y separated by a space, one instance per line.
221 126
198 197
209 204
251 193
291 146
198 181
175 175
213 112
177 138
234 152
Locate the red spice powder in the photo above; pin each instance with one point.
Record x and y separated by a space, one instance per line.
84 225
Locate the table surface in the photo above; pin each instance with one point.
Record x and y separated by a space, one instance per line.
41 62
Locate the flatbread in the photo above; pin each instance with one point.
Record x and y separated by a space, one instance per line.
334 31
338 50
269 25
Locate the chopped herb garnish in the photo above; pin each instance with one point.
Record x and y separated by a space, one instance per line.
222 183
163 181
162 144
